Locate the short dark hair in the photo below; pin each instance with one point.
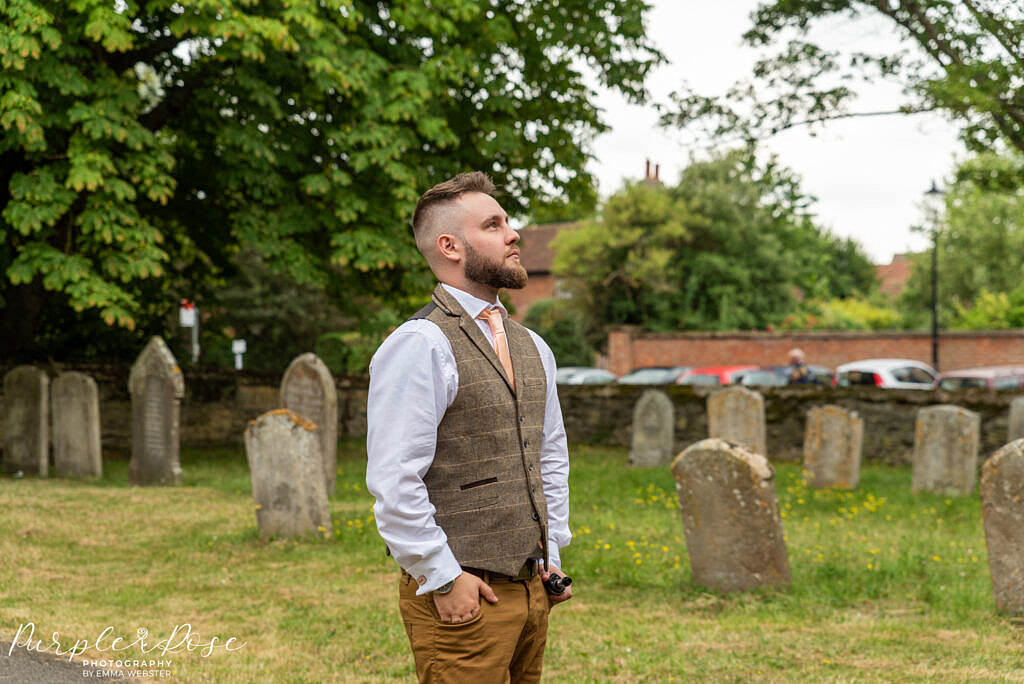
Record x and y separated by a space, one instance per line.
473 181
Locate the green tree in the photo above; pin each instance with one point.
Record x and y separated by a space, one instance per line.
562 325
729 247
143 144
981 239
963 57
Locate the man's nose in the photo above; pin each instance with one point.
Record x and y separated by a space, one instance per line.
513 235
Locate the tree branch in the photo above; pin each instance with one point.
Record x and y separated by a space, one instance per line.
850 115
987 20
175 103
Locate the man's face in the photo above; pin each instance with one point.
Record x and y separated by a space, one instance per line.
492 257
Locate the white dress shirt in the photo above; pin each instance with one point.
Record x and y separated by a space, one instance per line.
413 381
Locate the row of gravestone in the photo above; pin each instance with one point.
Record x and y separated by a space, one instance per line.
156 386
65 412
734 531
946 438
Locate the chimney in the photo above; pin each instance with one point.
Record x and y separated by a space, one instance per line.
656 168
647 171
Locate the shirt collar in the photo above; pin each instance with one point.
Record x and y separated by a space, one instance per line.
472 305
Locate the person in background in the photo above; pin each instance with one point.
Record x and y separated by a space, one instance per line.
798 372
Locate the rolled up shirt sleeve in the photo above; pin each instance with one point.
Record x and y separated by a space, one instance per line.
554 461
413 380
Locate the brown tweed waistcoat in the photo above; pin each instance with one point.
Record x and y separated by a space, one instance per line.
485 481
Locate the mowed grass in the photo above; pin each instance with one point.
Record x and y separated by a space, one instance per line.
887 585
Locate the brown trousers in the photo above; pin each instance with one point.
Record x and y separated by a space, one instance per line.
503 643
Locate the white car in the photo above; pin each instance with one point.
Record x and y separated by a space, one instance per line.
889 373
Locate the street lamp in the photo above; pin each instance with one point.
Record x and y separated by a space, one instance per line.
934 204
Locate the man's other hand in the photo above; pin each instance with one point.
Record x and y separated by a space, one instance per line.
462 603
556 598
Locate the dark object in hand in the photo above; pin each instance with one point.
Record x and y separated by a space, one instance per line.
556 584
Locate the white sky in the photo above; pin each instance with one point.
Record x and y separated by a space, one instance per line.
868 174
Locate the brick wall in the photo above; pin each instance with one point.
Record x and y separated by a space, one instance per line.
629 348
539 286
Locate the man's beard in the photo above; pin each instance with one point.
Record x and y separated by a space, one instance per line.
493 274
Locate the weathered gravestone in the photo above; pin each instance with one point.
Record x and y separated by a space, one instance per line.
156 386
1016 426
653 430
736 414
1002 507
27 421
730 517
945 449
308 389
288 485
76 426
832 447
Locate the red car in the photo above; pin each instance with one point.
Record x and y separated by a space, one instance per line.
714 375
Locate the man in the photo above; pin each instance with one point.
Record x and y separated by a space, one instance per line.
798 372
467 453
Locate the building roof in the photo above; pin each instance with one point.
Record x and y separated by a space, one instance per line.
893 276
535 253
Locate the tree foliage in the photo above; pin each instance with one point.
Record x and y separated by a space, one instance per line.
981 239
731 246
963 57
145 140
563 326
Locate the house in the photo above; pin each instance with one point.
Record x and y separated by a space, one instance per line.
536 255
893 277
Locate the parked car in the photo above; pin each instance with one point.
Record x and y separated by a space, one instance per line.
591 376
778 376
563 374
654 375
775 376
989 377
714 375
888 373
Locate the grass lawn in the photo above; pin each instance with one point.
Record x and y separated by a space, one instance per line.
886 585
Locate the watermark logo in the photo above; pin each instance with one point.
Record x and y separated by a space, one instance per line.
182 639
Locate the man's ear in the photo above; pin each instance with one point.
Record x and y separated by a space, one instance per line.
449 248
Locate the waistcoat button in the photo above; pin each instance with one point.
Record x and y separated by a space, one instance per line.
536 517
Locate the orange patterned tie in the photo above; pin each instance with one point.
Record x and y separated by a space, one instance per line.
493 318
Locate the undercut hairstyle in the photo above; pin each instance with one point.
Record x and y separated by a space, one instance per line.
430 215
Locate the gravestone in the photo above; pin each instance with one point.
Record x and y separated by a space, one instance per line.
1002 508
286 468
736 414
1016 426
832 447
730 517
945 450
653 430
156 386
27 421
76 426
308 389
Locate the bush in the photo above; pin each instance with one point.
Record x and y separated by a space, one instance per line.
346 353
561 324
991 311
852 313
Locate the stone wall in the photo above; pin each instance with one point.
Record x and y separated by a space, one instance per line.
630 348
218 405
603 414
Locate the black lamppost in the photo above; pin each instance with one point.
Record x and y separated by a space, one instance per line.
933 200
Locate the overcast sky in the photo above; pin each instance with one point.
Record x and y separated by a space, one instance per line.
868 174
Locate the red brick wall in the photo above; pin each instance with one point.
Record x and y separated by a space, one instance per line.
629 348
539 286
